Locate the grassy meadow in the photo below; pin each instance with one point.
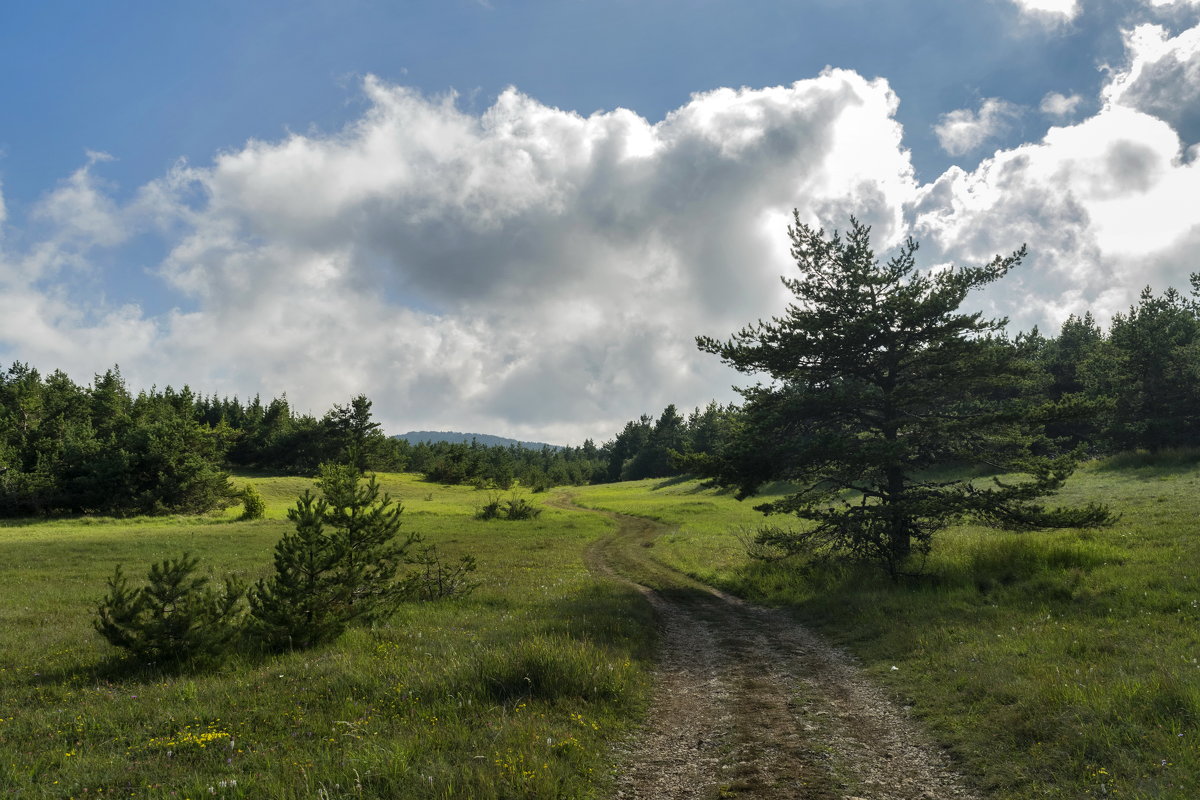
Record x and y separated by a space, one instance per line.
1052 664
1061 665
515 691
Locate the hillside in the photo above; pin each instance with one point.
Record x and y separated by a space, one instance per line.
486 439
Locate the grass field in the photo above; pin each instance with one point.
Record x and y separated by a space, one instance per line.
1061 665
515 691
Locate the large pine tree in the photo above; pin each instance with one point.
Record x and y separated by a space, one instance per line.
875 377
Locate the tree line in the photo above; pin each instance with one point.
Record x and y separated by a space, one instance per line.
98 448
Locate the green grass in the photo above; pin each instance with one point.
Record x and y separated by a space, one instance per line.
516 691
1058 665
1053 664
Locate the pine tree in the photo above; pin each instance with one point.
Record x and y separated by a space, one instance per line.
301 605
366 539
1155 367
340 566
875 377
177 617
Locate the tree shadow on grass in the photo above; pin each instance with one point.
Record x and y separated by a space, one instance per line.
1146 465
858 602
674 480
606 614
118 669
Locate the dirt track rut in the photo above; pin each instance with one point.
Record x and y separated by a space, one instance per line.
749 704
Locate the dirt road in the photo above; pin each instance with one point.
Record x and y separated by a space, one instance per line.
749 704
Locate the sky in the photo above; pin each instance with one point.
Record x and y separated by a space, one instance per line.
515 217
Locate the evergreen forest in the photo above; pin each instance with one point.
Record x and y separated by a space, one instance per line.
99 448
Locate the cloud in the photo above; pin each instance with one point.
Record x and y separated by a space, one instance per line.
1105 206
1162 78
535 272
1049 10
527 270
1055 104
959 132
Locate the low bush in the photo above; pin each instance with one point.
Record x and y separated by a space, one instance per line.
433 580
253 505
514 508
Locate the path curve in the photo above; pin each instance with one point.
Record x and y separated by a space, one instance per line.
749 704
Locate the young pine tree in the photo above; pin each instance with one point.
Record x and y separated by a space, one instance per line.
366 538
340 566
176 618
301 605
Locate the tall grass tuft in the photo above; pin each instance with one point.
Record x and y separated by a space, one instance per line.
550 668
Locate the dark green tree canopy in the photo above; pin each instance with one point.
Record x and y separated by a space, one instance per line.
875 378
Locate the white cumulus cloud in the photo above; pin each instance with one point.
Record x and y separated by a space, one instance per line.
1162 78
1049 9
963 130
1056 104
536 272
527 270
1106 205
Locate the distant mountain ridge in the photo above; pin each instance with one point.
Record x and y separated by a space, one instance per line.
486 439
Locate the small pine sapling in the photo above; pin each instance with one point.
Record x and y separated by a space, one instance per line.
434 580
301 605
366 537
175 619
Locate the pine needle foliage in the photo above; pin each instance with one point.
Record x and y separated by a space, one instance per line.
433 579
875 379
300 605
340 566
176 618
366 538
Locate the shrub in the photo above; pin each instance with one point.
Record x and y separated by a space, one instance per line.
433 580
253 505
174 619
514 508
300 605
520 508
491 509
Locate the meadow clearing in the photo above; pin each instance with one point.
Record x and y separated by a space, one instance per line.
1056 664
514 691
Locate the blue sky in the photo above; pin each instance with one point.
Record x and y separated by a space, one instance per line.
152 82
279 196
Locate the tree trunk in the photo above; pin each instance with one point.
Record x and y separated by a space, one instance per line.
899 527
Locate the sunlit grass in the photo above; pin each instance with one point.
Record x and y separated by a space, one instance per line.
1061 664
515 691
1054 664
